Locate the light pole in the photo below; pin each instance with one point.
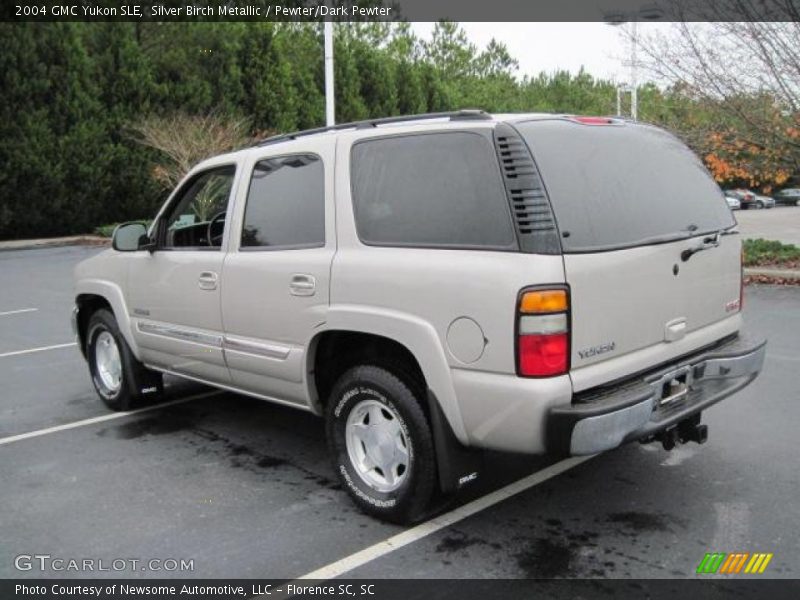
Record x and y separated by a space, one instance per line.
647 12
330 111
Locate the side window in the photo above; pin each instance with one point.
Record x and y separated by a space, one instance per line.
197 217
430 190
285 204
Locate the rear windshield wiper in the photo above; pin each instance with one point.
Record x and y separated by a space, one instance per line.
663 238
711 241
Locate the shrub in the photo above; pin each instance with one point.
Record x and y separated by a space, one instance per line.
762 252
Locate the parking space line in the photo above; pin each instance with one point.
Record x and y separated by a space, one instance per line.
103 418
18 311
440 522
42 349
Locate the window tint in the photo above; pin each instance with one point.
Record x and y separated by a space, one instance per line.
203 199
286 203
440 189
623 185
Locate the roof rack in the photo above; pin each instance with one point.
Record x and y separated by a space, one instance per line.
470 114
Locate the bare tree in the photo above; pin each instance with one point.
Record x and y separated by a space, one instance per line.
743 67
184 140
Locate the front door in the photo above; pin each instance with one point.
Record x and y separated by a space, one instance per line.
174 292
277 272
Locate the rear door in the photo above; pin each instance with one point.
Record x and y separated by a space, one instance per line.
629 200
277 273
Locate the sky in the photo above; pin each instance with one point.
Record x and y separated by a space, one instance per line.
601 49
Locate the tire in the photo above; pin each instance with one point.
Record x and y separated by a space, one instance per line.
759 205
121 381
389 468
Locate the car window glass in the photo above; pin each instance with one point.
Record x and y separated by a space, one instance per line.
285 203
622 185
431 190
197 218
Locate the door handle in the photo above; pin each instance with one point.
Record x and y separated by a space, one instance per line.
207 280
302 285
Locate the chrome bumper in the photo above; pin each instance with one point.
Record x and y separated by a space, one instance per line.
654 402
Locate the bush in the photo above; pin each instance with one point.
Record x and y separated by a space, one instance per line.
762 253
107 231
184 140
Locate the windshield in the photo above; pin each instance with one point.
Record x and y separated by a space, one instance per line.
618 186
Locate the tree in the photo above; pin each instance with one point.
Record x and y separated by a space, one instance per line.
269 98
53 145
745 76
184 140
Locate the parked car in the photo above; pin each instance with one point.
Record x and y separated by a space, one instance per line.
414 281
764 201
733 203
789 197
747 198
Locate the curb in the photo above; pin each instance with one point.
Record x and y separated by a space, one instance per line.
75 240
772 273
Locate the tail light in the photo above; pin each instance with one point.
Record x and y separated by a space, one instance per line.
543 343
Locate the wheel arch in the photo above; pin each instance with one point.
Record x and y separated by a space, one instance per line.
92 295
414 338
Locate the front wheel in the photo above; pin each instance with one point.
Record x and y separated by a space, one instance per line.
120 380
381 444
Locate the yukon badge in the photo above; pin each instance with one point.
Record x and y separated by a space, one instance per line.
595 350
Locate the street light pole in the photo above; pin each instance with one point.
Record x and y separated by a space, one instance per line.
330 112
647 12
634 82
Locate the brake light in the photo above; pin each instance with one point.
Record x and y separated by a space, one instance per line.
593 120
543 333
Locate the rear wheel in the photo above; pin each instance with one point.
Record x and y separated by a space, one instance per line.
121 381
381 444
759 204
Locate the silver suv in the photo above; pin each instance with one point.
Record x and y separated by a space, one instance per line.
433 285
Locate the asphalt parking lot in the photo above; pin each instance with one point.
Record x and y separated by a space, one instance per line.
244 488
780 223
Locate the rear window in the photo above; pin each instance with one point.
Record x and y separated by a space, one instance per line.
617 186
430 190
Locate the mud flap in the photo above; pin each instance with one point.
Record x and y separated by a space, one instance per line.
457 464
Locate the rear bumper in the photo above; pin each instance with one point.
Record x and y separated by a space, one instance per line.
636 409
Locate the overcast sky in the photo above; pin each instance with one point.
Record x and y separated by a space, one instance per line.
548 47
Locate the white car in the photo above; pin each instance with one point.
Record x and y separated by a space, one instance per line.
733 203
435 285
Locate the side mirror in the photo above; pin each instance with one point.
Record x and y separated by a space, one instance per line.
128 237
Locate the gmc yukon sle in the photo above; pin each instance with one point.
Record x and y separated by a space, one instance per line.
435 284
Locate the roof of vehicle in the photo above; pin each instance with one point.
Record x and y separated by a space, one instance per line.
400 124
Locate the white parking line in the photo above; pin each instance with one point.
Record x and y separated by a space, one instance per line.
109 417
42 349
18 311
427 528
